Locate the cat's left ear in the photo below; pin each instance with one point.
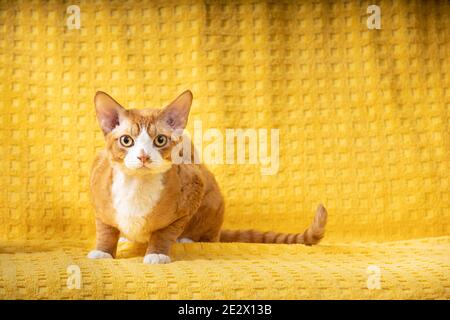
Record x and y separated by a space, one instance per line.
177 112
109 111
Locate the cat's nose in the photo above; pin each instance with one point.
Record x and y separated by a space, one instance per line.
143 157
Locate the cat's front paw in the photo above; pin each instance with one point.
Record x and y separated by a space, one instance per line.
97 254
156 258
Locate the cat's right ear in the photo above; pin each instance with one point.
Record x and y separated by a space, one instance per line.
109 111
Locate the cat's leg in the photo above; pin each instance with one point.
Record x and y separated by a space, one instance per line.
106 241
162 240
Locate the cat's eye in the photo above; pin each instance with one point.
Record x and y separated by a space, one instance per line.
126 141
160 140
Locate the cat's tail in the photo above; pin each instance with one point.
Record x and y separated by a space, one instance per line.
312 235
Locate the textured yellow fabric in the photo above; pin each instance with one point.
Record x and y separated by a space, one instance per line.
364 128
414 269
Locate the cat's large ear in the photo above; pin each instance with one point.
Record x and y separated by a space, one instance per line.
109 111
176 113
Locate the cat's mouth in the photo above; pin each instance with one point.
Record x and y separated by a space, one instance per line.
147 168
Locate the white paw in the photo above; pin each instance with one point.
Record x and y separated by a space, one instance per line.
156 258
123 239
97 254
184 240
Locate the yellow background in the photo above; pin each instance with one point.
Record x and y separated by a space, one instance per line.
363 118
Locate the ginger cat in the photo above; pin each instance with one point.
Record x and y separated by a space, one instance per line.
137 191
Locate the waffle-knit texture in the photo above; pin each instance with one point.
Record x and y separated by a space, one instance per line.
364 128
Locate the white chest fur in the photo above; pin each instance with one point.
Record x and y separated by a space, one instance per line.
133 199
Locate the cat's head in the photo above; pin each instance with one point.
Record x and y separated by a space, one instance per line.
140 141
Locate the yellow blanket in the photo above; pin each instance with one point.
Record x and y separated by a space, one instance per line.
363 117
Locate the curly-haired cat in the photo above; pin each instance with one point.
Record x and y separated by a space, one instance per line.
139 192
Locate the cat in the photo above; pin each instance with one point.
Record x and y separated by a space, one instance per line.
138 191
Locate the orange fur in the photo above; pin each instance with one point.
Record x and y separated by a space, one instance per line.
190 204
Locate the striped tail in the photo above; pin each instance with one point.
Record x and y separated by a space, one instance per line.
312 235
